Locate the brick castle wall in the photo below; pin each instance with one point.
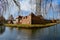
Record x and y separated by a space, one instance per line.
26 20
37 20
32 19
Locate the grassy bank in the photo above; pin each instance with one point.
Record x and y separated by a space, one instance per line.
30 25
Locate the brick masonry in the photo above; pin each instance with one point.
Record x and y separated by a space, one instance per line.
32 19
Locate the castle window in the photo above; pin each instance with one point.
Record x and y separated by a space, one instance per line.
26 16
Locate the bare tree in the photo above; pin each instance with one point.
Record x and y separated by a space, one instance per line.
3 7
48 8
11 18
57 9
38 7
18 5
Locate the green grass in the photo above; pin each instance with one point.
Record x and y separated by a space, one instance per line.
30 25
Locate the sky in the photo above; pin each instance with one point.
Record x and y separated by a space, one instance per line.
27 8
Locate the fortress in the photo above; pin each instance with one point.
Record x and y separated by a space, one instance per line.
30 19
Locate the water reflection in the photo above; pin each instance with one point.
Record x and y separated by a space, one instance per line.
50 33
24 34
2 29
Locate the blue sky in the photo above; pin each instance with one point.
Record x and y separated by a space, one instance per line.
26 8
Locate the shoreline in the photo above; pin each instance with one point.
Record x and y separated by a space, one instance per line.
30 25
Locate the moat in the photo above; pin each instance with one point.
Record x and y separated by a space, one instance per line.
49 33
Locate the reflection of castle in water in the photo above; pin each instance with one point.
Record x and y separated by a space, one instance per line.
2 29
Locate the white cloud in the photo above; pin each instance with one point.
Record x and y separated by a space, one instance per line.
12 7
26 5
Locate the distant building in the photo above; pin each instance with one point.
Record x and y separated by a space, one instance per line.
30 19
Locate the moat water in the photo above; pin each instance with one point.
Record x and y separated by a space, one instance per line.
49 33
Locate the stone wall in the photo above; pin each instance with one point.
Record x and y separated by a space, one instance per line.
37 20
32 19
26 20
